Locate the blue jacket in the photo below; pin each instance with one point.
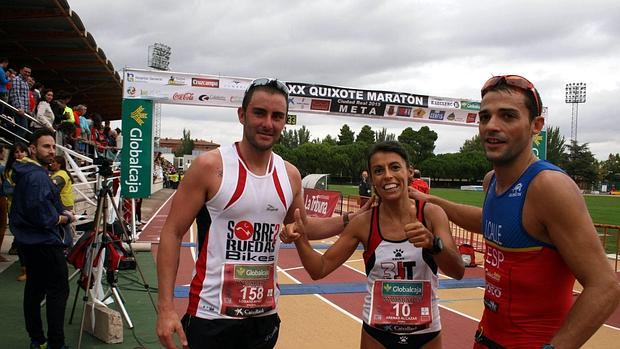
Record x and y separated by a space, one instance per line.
36 207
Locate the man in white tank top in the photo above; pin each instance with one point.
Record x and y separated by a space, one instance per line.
249 193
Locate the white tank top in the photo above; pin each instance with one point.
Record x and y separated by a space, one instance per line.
385 259
235 274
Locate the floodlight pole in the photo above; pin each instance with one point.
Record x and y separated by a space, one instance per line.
575 94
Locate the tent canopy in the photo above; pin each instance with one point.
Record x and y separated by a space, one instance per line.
315 180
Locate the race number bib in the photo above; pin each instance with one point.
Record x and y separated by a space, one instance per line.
401 306
247 289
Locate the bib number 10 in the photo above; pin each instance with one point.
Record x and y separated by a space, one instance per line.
252 293
402 309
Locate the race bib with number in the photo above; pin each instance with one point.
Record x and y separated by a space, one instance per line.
401 306
247 289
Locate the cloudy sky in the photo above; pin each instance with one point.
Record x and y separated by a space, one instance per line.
440 48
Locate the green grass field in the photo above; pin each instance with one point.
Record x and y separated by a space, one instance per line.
604 209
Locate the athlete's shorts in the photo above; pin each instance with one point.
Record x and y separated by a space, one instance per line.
398 341
255 332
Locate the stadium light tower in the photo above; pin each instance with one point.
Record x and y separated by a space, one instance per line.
159 56
575 94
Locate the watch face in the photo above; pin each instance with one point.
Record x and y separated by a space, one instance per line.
437 245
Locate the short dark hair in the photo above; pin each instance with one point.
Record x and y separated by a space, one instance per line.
4 60
271 87
530 99
41 133
387 147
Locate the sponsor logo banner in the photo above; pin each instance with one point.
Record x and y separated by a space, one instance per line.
320 203
137 154
444 103
212 90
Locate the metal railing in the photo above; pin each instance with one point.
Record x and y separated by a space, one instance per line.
608 234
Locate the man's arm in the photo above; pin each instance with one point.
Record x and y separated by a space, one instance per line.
316 228
557 203
466 216
188 199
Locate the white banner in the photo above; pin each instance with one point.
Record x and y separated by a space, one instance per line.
219 91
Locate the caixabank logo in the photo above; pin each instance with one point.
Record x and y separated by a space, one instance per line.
247 241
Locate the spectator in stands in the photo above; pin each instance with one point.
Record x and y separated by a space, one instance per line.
20 100
17 152
4 81
63 181
38 221
119 139
44 114
58 107
85 126
3 206
418 183
33 98
98 137
364 189
78 111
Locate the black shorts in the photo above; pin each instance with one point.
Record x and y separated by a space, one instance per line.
400 341
255 332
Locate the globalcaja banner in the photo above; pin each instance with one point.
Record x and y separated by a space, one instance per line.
320 203
137 153
212 90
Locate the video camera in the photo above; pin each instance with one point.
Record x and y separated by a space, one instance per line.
105 166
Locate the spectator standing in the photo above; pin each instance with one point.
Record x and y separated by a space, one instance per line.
4 81
364 189
44 114
78 111
63 181
19 98
85 126
4 211
418 183
119 139
38 220
17 152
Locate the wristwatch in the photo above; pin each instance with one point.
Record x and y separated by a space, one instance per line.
548 346
437 245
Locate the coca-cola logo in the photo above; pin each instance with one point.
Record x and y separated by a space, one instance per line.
187 96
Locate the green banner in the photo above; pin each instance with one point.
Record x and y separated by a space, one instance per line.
539 145
137 153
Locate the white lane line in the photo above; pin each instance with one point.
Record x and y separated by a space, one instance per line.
459 313
343 311
153 216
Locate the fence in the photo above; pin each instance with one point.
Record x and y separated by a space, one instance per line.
608 234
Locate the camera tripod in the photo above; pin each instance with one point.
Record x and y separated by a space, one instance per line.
101 240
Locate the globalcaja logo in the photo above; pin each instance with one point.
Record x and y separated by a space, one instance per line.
470 105
244 230
402 289
437 114
130 77
251 272
139 115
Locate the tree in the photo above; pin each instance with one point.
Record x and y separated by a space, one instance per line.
420 144
382 135
346 136
582 167
556 147
329 140
366 135
303 135
186 146
472 145
610 168
289 138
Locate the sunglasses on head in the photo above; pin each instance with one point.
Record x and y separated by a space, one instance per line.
275 83
515 81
